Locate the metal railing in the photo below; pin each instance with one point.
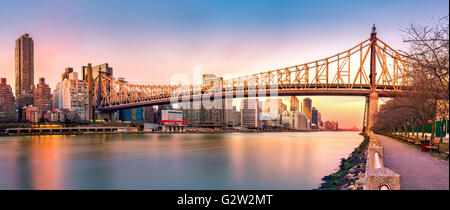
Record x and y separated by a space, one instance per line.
377 176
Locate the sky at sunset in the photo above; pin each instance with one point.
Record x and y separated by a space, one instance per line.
150 41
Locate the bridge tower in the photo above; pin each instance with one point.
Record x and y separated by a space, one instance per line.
372 99
90 91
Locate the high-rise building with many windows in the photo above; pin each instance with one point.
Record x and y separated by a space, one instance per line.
295 104
307 108
42 96
7 107
315 117
72 94
24 63
250 113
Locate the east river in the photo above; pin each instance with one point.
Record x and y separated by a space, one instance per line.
173 161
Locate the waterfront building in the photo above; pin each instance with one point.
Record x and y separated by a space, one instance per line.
295 104
331 125
172 117
42 96
303 122
295 120
149 115
192 113
307 107
7 106
268 124
24 63
250 113
57 115
132 115
319 119
31 114
160 109
66 115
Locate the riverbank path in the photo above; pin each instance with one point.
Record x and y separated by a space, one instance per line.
418 170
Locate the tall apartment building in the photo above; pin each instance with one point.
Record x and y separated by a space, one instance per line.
307 107
250 113
192 113
315 116
7 107
295 104
42 96
72 94
24 63
149 115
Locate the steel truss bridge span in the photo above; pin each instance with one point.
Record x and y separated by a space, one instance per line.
371 66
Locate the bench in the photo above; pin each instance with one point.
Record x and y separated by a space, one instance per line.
406 139
410 140
434 146
417 143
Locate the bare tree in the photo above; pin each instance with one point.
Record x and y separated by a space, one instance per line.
428 99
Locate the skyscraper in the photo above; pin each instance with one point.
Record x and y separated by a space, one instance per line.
24 61
295 104
307 105
315 117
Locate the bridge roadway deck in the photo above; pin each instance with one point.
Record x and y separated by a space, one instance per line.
241 94
418 170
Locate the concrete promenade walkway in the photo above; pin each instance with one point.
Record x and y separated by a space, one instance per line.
418 170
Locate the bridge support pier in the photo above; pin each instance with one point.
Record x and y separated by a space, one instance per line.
372 111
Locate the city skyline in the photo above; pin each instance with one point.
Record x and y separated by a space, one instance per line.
177 44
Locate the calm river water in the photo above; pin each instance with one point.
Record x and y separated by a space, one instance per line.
173 161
